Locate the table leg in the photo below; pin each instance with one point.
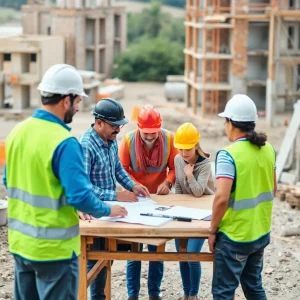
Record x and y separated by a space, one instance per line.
108 281
112 246
82 292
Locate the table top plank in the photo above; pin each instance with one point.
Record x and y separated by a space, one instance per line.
174 229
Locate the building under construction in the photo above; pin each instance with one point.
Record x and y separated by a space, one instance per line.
242 46
94 30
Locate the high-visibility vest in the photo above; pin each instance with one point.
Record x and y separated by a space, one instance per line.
41 224
249 213
135 164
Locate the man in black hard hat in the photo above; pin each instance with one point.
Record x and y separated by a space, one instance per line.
104 168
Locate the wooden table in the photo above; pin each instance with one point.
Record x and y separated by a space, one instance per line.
131 233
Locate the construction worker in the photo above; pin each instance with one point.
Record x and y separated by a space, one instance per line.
46 184
193 176
102 164
242 208
147 154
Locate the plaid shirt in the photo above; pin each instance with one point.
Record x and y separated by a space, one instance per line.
102 164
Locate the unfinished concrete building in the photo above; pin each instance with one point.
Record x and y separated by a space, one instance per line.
242 46
94 30
23 62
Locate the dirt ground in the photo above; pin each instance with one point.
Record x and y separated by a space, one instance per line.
281 273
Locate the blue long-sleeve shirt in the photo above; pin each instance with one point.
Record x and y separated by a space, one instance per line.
67 165
102 164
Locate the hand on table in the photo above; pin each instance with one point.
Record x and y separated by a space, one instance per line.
163 189
84 216
126 196
118 211
140 190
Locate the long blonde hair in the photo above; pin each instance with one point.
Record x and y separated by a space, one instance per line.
200 151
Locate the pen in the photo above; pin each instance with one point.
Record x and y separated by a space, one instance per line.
183 219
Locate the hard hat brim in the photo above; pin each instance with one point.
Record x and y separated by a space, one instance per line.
222 115
120 122
184 146
149 130
83 94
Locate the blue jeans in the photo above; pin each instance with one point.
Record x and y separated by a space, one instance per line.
97 287
155 275
46 280
236 263
191 271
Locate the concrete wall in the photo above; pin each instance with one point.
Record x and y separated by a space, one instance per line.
64 25
257 36
257 68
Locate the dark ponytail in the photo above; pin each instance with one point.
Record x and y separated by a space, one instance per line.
258 139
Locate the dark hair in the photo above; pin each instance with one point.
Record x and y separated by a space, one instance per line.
258 139
56 98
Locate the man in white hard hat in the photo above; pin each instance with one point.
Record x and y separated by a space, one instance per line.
242 209
47 184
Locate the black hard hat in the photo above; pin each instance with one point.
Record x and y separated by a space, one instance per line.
110 110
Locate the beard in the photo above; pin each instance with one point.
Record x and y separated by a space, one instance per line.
68 118
149 144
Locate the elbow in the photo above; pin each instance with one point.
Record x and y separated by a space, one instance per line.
198 193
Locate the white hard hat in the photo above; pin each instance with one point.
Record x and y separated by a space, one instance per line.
240 108
62 79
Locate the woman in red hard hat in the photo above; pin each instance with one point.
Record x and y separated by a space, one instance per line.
193 176
147 154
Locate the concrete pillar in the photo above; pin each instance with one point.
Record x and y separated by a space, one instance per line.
61 3
123 31
80 51
97 43
78 4
2 96
70 4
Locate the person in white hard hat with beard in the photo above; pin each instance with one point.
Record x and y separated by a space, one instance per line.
242 208
47 184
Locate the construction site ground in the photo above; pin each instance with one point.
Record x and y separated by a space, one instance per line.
281 274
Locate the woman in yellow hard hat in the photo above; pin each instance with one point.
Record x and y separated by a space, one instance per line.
193 176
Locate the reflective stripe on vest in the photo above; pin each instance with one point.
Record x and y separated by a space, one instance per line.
252 202
249 213
43 233
37 201
130 137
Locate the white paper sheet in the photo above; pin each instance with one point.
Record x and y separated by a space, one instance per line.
178 211
137 219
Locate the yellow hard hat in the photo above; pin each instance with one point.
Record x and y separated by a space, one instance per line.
186 136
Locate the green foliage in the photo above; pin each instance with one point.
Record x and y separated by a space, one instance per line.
151 60
16 4
6 15
175 3
156 42
153 23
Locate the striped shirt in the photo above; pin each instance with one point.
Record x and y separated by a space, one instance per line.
103 165
225 167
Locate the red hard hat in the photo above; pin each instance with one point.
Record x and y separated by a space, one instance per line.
149 119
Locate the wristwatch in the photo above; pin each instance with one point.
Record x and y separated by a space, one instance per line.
170 184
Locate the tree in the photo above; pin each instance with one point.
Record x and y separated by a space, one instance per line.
150 60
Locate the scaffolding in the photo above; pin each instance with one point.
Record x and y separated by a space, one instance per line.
219 58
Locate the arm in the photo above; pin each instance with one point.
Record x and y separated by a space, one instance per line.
198 185
4 177
171 164
125 159
68 166
88 159
178 189
221 200
121 175
275 183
